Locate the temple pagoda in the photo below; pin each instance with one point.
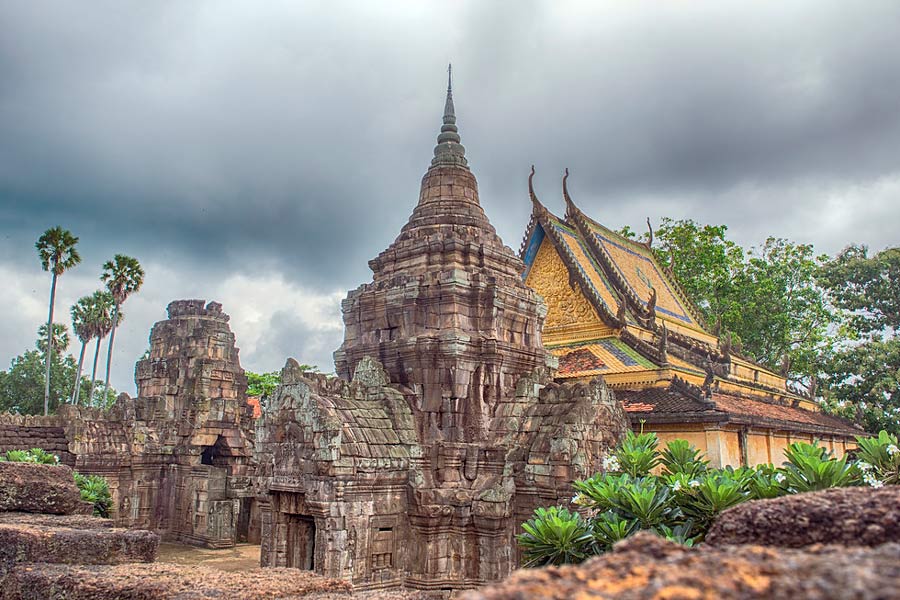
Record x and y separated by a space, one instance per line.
614 310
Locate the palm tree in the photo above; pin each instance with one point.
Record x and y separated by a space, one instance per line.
83 323
60 339
123 276
102 325
56 248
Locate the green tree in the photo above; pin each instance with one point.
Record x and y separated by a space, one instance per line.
123 276
264 384
89 314
782 316
706 264
867 287
60 342
101 323
56 249
22 386
766 299
861 372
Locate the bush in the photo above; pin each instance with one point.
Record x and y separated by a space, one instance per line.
95 489
555 536
35 455
810 468
879 460
683 501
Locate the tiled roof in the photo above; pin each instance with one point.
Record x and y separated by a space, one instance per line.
639 269
589 269
668 405
595 357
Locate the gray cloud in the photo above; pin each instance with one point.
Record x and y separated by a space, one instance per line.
284 146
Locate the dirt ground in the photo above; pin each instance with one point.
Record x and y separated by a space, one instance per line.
243 557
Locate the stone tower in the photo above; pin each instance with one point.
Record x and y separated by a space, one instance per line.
447 312
445 430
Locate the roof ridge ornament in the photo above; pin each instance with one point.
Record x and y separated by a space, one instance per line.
449 151
571 210
540 208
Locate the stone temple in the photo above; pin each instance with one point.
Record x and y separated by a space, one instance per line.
444 430
474 385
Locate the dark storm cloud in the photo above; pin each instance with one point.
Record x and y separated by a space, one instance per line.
224 140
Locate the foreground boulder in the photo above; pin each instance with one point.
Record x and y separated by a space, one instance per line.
646 566
71 539
848 516
36 488
159 581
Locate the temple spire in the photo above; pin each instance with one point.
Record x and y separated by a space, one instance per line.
449 151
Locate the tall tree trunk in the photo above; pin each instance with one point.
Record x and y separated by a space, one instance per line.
112 338
49 344
94 370
77 390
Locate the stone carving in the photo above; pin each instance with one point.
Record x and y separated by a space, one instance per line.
179 456
444 429
564 306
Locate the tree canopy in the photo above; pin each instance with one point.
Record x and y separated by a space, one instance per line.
827 324
22 385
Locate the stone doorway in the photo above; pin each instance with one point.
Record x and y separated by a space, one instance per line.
301 542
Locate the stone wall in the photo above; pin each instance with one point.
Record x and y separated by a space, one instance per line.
357 492
23 432
178 457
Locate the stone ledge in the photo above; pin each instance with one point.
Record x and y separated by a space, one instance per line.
35 488
162 581
26 543
646 567
858 516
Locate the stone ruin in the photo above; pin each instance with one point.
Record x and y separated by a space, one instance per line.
444 430
413 468
178 457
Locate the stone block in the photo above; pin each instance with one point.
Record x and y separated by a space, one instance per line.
35 488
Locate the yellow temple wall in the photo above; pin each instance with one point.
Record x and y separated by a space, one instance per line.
759 448
723 446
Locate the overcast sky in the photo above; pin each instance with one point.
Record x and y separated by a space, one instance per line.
260 153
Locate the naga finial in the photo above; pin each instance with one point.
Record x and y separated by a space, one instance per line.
650 238
651 304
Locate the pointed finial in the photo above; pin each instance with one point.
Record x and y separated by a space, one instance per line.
449 152
570 206
536 204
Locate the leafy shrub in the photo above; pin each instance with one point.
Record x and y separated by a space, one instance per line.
810 468
879 459
35 455
555 536
637 454
95 489
645 501
712 494
683 501
609 528
766 482
681 457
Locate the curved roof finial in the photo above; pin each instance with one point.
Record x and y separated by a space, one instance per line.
534 199
571 209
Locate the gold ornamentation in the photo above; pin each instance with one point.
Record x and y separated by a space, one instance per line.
550 278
